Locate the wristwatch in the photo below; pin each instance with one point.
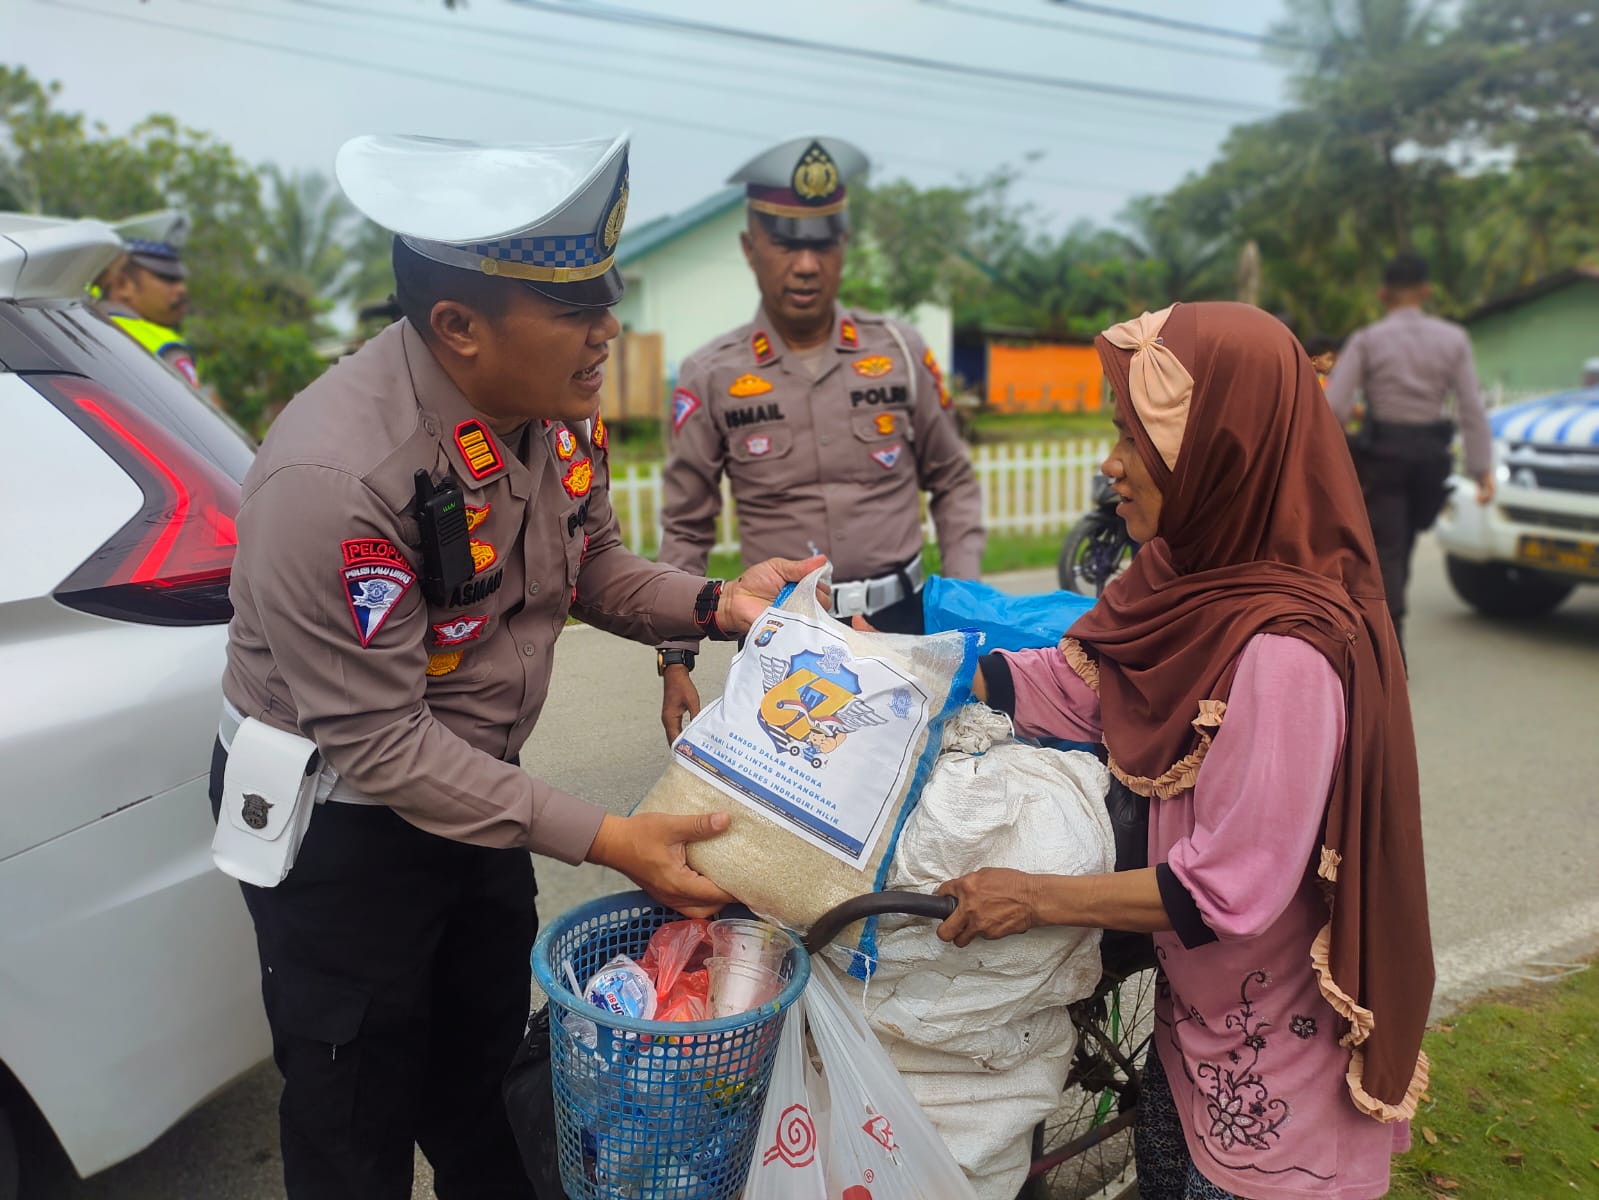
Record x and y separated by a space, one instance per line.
673 658
705 605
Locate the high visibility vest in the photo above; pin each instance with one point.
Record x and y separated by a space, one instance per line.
158 340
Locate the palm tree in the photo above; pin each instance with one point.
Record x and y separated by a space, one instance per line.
305 232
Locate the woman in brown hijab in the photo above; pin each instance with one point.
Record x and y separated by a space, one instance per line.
1245 678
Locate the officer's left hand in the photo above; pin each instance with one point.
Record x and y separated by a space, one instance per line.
752 593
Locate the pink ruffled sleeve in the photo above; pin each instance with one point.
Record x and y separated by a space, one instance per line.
1051 699
1262 789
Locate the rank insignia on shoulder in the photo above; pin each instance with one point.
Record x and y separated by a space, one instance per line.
601 434
749 385
483 556
476 516
684 405
579 478
565 443
884 423
762 346
443 664
887 458
933 369
848 335
758 444
462 629
376 575
477 446
874 367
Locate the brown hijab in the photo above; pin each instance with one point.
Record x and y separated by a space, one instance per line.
1263 530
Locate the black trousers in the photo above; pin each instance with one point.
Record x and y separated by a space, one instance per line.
1404 475
395 970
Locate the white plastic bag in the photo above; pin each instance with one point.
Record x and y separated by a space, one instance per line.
788 1163
878 1144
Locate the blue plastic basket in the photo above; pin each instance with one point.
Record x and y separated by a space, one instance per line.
651 1110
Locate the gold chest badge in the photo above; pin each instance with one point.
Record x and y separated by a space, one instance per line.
874 367
749 385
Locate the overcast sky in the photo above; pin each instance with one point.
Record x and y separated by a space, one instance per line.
286 81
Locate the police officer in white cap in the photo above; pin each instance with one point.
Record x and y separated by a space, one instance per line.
145 293
412 537
830 423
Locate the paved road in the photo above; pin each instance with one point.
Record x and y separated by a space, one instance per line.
1510 766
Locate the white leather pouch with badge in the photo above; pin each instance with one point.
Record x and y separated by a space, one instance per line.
269 789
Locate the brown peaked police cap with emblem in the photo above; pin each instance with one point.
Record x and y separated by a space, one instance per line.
798 187
548 214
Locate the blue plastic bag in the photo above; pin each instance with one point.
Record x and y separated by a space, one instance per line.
1006 622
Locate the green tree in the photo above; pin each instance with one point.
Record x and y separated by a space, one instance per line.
305 233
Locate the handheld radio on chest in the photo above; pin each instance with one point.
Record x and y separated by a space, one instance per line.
446 546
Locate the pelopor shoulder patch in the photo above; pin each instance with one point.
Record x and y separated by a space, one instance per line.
376 575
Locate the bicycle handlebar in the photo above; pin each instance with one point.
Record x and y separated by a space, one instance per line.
875 904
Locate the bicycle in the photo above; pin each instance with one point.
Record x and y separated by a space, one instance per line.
1084 1151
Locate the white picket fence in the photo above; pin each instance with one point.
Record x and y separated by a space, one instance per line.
1038 488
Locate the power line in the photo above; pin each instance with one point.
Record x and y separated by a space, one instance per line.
597 12
1133 39
746 135
823 99
1124 14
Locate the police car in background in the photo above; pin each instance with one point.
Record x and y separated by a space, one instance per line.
1527 551
129 987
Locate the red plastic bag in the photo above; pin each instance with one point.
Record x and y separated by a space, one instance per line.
675 961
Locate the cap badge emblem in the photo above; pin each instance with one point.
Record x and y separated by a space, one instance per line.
815 175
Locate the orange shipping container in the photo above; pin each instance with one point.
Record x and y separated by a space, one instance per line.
1043 378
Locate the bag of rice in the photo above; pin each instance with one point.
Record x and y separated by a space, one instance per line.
823 737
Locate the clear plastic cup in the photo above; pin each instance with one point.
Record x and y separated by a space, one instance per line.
738 987
758 942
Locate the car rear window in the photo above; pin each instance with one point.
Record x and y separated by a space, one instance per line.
73 338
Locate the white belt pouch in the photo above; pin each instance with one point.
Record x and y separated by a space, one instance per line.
269 789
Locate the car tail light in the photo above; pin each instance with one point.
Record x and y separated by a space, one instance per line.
170 564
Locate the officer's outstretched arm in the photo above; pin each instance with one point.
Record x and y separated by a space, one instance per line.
651 849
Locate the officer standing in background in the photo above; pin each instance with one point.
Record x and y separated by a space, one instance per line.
1406 365
146 292
829 423
412 536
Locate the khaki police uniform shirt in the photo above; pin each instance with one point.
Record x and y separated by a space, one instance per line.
1406 365
414 704
832 462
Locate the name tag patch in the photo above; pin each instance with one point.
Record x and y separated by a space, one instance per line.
376 575
754 415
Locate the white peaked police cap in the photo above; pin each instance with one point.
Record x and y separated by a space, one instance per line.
549 215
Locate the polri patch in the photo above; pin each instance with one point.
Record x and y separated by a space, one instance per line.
684 405
749 385
483 555
376 575
888 457
579 478
476 445
443 664
462 629
874 367
762 346
565 443
758 444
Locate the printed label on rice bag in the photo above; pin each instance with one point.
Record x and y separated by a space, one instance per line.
811 736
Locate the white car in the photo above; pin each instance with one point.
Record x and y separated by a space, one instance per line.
129 985
1527 551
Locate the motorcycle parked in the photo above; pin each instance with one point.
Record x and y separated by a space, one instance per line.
1097 548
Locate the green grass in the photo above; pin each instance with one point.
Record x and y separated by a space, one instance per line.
1038 427
1513 1104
